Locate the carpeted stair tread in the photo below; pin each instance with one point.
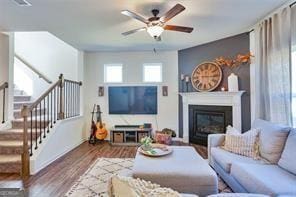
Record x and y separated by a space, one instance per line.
29 118
19 98
23 102
12 147
10 163
11 143
17 112
19 104
15 134
12 131
4 159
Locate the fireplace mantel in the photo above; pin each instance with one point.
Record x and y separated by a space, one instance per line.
217 98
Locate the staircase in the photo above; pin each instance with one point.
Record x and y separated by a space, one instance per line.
32 122
11 140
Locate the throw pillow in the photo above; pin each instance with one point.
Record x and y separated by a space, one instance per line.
288 158
121 186
162 138
245 144
272 139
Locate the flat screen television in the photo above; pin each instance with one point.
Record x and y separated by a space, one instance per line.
132 99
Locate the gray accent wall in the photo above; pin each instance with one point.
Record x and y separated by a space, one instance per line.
228 47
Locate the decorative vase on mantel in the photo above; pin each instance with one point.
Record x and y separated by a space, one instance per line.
233 83
234 65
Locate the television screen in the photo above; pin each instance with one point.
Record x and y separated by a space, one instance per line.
133 100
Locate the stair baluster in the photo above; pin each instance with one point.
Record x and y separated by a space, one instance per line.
3 88
61 99
54 105
54 98
47 112
40 124
51 111
73 99
65 100
44 118
31 133
36 130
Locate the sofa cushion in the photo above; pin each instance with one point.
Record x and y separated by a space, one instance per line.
245 144
288 158
225 158
272 139
264 179
128 186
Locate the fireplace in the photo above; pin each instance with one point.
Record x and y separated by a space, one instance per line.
216 98
205 120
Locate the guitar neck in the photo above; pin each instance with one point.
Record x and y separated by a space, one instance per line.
100 119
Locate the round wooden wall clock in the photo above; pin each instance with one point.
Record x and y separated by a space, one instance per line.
206 76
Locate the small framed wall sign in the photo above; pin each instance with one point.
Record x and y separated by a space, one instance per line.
101 90
165 91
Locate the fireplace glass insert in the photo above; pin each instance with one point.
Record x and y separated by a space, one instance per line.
205 120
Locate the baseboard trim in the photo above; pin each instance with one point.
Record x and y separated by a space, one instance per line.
47 163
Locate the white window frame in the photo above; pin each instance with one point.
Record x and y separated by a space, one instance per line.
112 65
153 64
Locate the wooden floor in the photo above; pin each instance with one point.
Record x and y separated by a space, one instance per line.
57 178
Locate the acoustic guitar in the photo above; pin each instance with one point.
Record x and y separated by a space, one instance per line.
92 137
101 132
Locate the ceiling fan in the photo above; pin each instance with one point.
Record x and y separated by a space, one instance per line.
155 24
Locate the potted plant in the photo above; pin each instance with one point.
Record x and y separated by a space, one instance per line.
146 143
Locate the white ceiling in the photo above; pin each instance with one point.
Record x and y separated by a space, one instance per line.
96 25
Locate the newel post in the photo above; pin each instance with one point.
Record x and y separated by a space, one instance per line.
62 105
25 173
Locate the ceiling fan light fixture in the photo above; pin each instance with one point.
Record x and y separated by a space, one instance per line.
155 31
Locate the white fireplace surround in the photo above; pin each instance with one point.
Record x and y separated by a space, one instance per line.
218 98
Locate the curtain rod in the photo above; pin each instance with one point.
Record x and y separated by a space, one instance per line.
291 5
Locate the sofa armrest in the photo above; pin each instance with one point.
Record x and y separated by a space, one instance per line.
214 140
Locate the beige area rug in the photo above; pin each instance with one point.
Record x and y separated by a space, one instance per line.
94 182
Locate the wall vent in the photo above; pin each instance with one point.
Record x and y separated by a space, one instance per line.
22 3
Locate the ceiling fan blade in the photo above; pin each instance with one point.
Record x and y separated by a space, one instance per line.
178 8
178 28
135 16
134 31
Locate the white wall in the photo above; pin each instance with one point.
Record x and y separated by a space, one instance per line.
50 55
4 57
4 68
167 116
65 136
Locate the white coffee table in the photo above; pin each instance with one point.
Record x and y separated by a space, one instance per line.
184 171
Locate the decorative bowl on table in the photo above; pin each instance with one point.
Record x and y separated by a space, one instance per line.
156 150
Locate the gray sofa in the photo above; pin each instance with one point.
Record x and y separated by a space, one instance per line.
274 174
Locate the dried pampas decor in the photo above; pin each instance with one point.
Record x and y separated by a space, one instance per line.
234 63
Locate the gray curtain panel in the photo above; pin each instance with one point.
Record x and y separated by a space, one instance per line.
273 68
293 34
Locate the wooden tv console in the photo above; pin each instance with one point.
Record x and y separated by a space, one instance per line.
128 136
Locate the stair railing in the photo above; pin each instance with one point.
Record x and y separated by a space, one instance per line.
35 70
3 88
60 101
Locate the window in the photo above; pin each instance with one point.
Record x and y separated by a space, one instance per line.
294 85
113 73
152 72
